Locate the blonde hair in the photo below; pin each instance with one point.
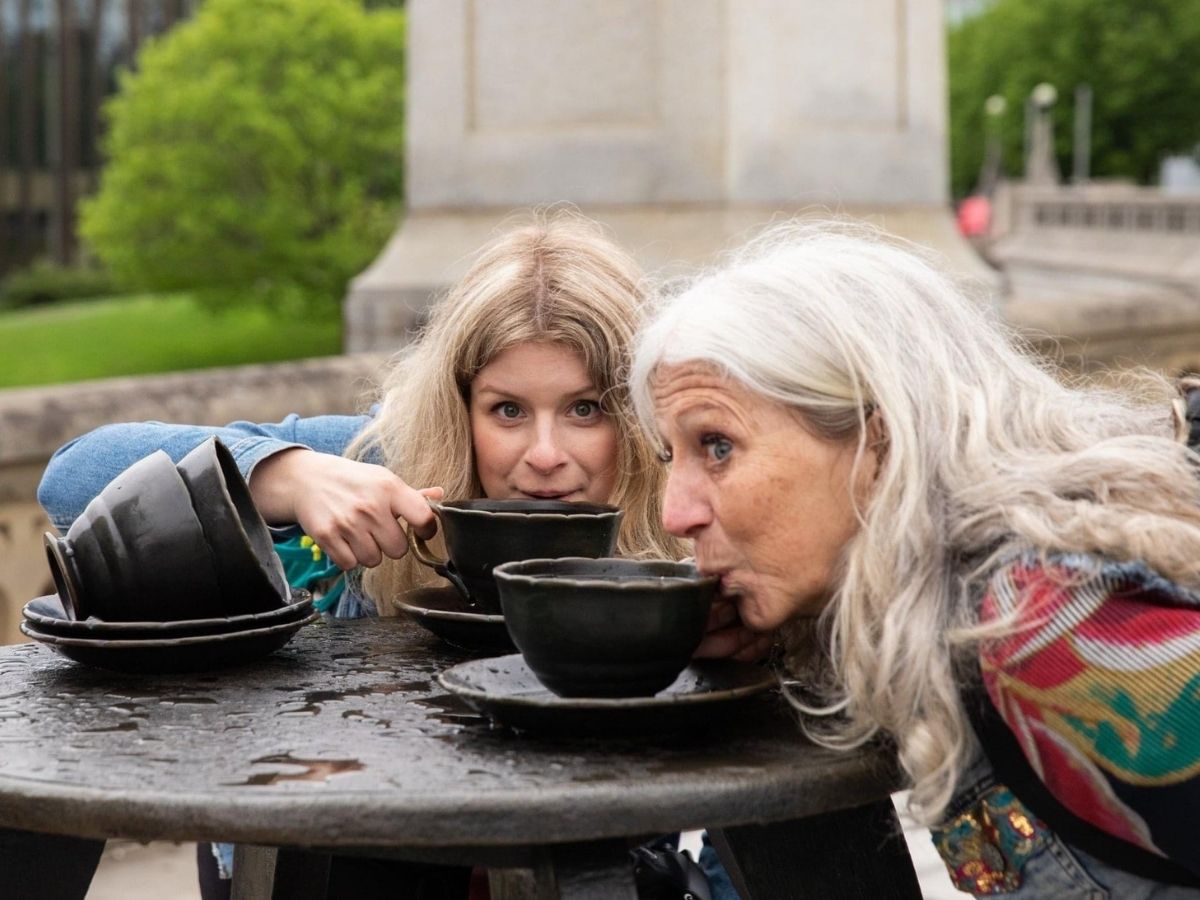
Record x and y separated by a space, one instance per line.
558 280
986 454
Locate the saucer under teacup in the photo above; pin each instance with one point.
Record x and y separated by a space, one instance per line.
47 615
444 612
705 694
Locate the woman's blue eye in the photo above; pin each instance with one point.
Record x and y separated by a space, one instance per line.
508 410
585 408
719 447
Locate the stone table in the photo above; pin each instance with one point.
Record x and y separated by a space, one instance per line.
344 741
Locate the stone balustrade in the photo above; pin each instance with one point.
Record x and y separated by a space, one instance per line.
1109 209
1113 269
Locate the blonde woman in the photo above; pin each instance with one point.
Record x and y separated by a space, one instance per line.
513 390
999 571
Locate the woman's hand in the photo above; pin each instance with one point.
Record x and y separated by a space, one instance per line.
728 637
351 509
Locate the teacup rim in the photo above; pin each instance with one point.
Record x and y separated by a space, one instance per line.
606 511
508 572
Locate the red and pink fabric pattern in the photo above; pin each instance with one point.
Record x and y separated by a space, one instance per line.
1099 681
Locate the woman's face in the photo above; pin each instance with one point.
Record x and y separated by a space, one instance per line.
537 427
768 505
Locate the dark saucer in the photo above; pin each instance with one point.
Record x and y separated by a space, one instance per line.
47 616
506 690
444 612
197 653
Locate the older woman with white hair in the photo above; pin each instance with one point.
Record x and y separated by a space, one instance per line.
997 571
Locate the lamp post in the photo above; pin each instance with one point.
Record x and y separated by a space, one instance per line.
1041 165
989 172
1082 162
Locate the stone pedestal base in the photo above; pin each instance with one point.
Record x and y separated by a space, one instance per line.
430 250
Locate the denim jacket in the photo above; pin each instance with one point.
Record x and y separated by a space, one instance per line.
994 847
80 469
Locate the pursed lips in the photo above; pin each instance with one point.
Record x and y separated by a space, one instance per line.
726 583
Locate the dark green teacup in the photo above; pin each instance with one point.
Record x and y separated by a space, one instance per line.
482 534
605 627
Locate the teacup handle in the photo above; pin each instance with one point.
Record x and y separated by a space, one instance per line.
425 556
422 552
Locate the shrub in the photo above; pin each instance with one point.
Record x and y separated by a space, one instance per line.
45 282
256 153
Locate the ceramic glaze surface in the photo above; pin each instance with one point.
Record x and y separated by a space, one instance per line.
249 571
707 695
482 534
605 627
46 614
444 612
190 653
137 552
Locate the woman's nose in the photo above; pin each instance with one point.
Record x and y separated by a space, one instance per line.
545 454
685 511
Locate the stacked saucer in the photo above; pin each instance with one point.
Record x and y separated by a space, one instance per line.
169 568
185 645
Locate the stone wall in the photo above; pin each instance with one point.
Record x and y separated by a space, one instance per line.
36 421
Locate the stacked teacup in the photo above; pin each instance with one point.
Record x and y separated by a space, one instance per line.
169 568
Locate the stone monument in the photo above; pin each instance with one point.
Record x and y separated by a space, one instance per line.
682 125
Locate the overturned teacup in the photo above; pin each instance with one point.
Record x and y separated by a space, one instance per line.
249 571
165 543
605 627
482 534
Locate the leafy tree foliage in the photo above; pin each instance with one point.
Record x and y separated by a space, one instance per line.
1141 58
256 154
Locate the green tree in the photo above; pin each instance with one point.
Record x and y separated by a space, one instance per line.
1141 58
256 154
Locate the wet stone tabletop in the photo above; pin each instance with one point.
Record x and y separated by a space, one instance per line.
345 738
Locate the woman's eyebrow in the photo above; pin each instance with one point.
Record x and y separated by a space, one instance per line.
500 390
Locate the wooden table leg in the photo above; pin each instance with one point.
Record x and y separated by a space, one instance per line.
598 870
854 854
269 873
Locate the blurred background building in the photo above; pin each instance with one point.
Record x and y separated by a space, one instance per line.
58 62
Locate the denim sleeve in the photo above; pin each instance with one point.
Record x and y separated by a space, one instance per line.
80 469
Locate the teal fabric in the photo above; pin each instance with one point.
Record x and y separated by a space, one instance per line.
307 567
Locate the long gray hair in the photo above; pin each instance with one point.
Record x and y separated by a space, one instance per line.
985 453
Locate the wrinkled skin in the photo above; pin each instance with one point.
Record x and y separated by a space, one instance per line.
768 505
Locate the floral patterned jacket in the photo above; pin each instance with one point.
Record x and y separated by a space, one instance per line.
1099 685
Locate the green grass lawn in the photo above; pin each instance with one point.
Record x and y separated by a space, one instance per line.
140 334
